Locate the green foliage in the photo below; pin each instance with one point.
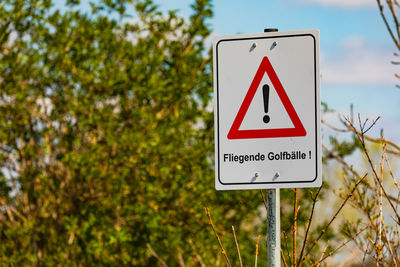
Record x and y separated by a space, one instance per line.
344 148
325 108
106 137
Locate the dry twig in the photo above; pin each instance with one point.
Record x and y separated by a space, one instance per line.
198 257
152 251
237 246
295 213
369 138
258 240
223 251
314 199
375 175
395 40
338 248
264 200
287 249
335 216
283 258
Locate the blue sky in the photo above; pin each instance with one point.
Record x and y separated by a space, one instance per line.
356 49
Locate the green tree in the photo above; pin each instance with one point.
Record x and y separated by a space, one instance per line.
106 137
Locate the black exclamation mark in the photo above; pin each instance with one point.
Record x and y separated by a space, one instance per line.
266 100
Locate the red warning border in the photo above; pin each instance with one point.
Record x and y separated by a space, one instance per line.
297 130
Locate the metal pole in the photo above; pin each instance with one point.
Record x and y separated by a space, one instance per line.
273 228
273 219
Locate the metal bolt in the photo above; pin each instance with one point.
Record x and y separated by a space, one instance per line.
257 174
277 174
274 44
270 30
254 45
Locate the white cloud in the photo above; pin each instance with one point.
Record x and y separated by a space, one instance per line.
342 3
357 62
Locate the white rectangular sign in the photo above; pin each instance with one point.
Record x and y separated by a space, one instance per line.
267 110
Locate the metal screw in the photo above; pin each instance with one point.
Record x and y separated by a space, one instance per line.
277 174
257 174
270 30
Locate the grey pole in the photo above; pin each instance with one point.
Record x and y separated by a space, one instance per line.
273 219
273 228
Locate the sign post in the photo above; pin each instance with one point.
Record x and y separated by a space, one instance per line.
267 117
273 228
273 219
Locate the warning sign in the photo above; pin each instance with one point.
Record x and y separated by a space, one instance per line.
267 110
297 130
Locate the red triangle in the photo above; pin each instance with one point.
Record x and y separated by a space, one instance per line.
298 130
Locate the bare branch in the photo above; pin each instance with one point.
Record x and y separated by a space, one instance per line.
295 213
349 129
387 24
198 257
339 247
335 128
283 258
322 255
258 240
394 15
391 250
180 259
264 200
314 199
152 251
287 248
223 251
362 141
237 246
350 168
335 216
